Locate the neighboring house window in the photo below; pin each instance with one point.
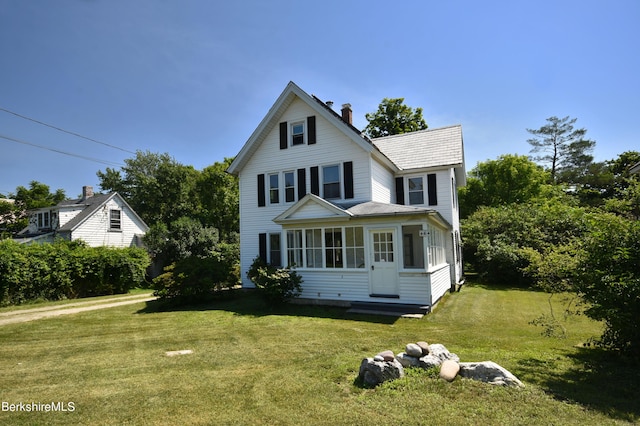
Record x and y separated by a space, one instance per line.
416 191
274 188
275 252
294 248
412 247
313 240
43 220
297 133
115 221
289 187
331 182
436 246
354 244
333 247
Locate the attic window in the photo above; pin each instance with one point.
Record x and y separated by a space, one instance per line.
115 222
297 133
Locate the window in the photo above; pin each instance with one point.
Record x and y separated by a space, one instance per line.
289 187
331 182
416 191
333 247
274 188
412 247
297 133
354 245
114 220
436 249
383 247
294 248
313 240
275 257
43 220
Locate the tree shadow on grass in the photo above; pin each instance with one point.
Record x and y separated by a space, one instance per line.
249 303
598 380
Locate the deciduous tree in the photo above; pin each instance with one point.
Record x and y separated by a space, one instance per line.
393 117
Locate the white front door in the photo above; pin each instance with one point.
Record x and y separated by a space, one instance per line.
384 270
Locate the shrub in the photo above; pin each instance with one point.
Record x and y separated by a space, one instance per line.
66 269
609 280
277 285
194 279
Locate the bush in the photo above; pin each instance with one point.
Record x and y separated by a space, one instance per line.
609 280
66 269
195 279
277 285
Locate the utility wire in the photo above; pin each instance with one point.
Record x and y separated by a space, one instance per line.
65 131
97 160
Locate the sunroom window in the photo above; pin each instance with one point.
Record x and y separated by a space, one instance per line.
412 247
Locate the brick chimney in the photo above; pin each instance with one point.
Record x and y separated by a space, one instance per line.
347 114
87 191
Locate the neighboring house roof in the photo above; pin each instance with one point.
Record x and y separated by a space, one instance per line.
92 204
635 168
424 149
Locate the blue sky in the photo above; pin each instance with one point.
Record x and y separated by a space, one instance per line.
193 78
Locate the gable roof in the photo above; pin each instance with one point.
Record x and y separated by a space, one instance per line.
91 205
425 149
290 93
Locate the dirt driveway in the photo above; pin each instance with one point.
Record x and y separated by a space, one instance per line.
24 315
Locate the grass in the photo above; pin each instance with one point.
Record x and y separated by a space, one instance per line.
297 365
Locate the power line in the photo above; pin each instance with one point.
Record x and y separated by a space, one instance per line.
65 131
97 160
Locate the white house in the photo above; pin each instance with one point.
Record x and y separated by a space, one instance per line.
98 220
361 220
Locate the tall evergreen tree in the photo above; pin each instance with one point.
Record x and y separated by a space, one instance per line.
564 148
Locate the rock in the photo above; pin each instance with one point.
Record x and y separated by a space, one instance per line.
180 352
387 355
442 353
429 361
373 373
413 350
489 372
378 358
449 370
407 360
425 347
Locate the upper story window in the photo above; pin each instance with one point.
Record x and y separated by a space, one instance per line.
115 220
331 182
297 133
274 188
416 191
289 187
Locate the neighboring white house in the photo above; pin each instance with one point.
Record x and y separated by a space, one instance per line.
362 220
98 220
635 169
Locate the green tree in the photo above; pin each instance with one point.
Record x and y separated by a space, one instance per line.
156 186
393 117
37 195
506 180
219 198
563 148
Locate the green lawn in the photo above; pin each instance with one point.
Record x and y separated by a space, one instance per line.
252 365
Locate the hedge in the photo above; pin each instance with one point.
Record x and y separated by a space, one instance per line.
66 270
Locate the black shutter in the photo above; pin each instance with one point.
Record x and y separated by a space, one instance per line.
315 181
311 128
302 183
348 179
262 247
284 141
261 193
431 190
400 190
